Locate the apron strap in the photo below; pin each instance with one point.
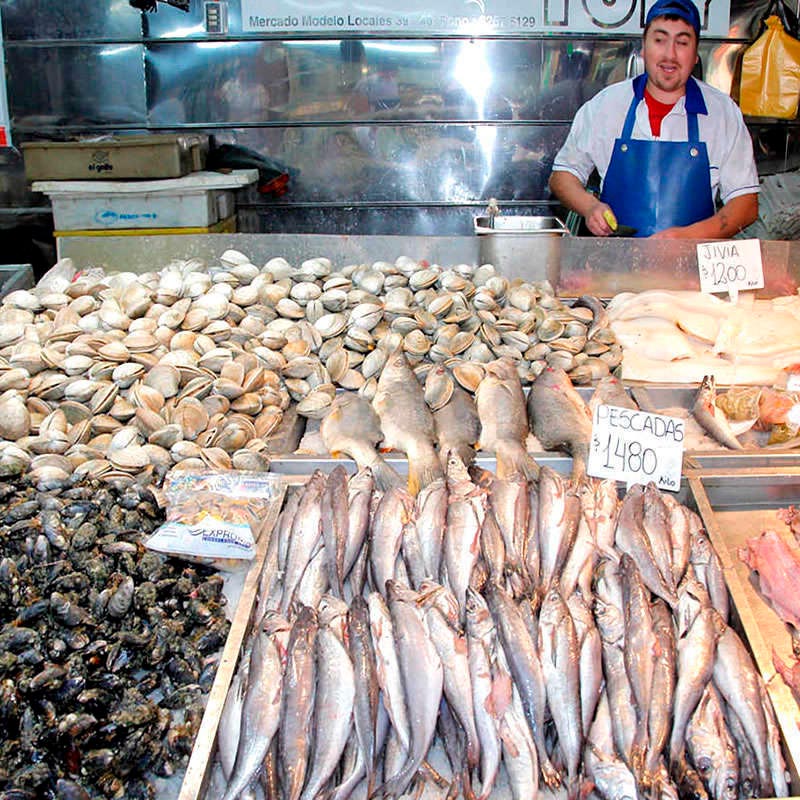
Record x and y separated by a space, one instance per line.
639 83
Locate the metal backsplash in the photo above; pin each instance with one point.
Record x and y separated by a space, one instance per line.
379 134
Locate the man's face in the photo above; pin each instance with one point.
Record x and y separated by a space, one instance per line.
670 53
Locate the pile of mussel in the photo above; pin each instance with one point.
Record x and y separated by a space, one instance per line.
107 650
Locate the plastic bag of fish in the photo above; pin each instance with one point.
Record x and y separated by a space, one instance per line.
213 517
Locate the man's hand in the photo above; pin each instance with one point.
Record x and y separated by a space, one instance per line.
597 219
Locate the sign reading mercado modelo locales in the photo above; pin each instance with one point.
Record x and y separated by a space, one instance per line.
472 17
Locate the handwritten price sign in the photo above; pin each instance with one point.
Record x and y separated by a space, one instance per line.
730 266
636 447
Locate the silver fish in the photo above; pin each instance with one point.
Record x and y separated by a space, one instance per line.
660 716
423 681
611 777
394 512
452 649
299 688
359 494
484 696
712 419
365 708
532 555
558 645
640 649
493 549
737 679
679 536
559 417
387 666
748 768
230 721
504 423
283 527
774 752
314 582
526 668
406 421
332 614
260 713
352 427
511 504
559 513
305 534
631 538
655 521
465 512
692 598
430 511
590 664
579 565
335 523
708 569
519 752
696 650
333 709
712 750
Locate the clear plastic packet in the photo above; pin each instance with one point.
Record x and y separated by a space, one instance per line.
214 516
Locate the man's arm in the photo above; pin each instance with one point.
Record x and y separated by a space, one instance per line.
735 215
572 193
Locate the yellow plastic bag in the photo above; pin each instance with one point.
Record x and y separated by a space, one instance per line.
770 83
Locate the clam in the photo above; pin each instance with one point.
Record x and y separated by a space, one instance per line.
439 388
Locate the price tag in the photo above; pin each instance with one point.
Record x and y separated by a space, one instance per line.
636 447
730 266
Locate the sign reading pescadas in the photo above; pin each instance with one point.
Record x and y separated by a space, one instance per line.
466 16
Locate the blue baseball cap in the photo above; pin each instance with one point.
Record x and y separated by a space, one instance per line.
684 9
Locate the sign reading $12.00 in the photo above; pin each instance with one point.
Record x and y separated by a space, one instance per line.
636 447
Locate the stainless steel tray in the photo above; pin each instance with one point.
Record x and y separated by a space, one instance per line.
735 507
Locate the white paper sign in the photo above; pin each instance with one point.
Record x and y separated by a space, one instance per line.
730 266
636 447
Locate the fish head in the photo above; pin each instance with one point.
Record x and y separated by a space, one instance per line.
724 783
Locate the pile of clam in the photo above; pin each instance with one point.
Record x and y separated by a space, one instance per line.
195 365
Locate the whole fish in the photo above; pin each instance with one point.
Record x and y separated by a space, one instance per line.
621 702
458 427
365 706
559 514
711 418
696 650
423 680
631 538
283 527
660 715
465 511
387 666
299 689
430 512
335 523
640 652
708 569
359 495
560 655
395 510
484 697
333 709
504 423
656 520
352 427
526 668
737 679
590 664
679 536
230 721
305 534
406 421
712 749
559 418
452 649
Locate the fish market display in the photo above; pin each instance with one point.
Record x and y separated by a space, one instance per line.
682 336
122 377
106 649
495 635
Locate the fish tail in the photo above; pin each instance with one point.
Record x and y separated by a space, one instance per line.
386 477
423 469
513 460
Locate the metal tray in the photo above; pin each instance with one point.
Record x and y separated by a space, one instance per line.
736 506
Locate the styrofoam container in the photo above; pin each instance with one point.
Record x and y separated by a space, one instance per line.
162 210
194 201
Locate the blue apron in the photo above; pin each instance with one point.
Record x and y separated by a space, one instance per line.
653 185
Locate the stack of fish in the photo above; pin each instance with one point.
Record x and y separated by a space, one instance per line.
547 634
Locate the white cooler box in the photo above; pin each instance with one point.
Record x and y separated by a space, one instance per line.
197 200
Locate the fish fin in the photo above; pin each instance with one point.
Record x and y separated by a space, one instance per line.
386 477
513 461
